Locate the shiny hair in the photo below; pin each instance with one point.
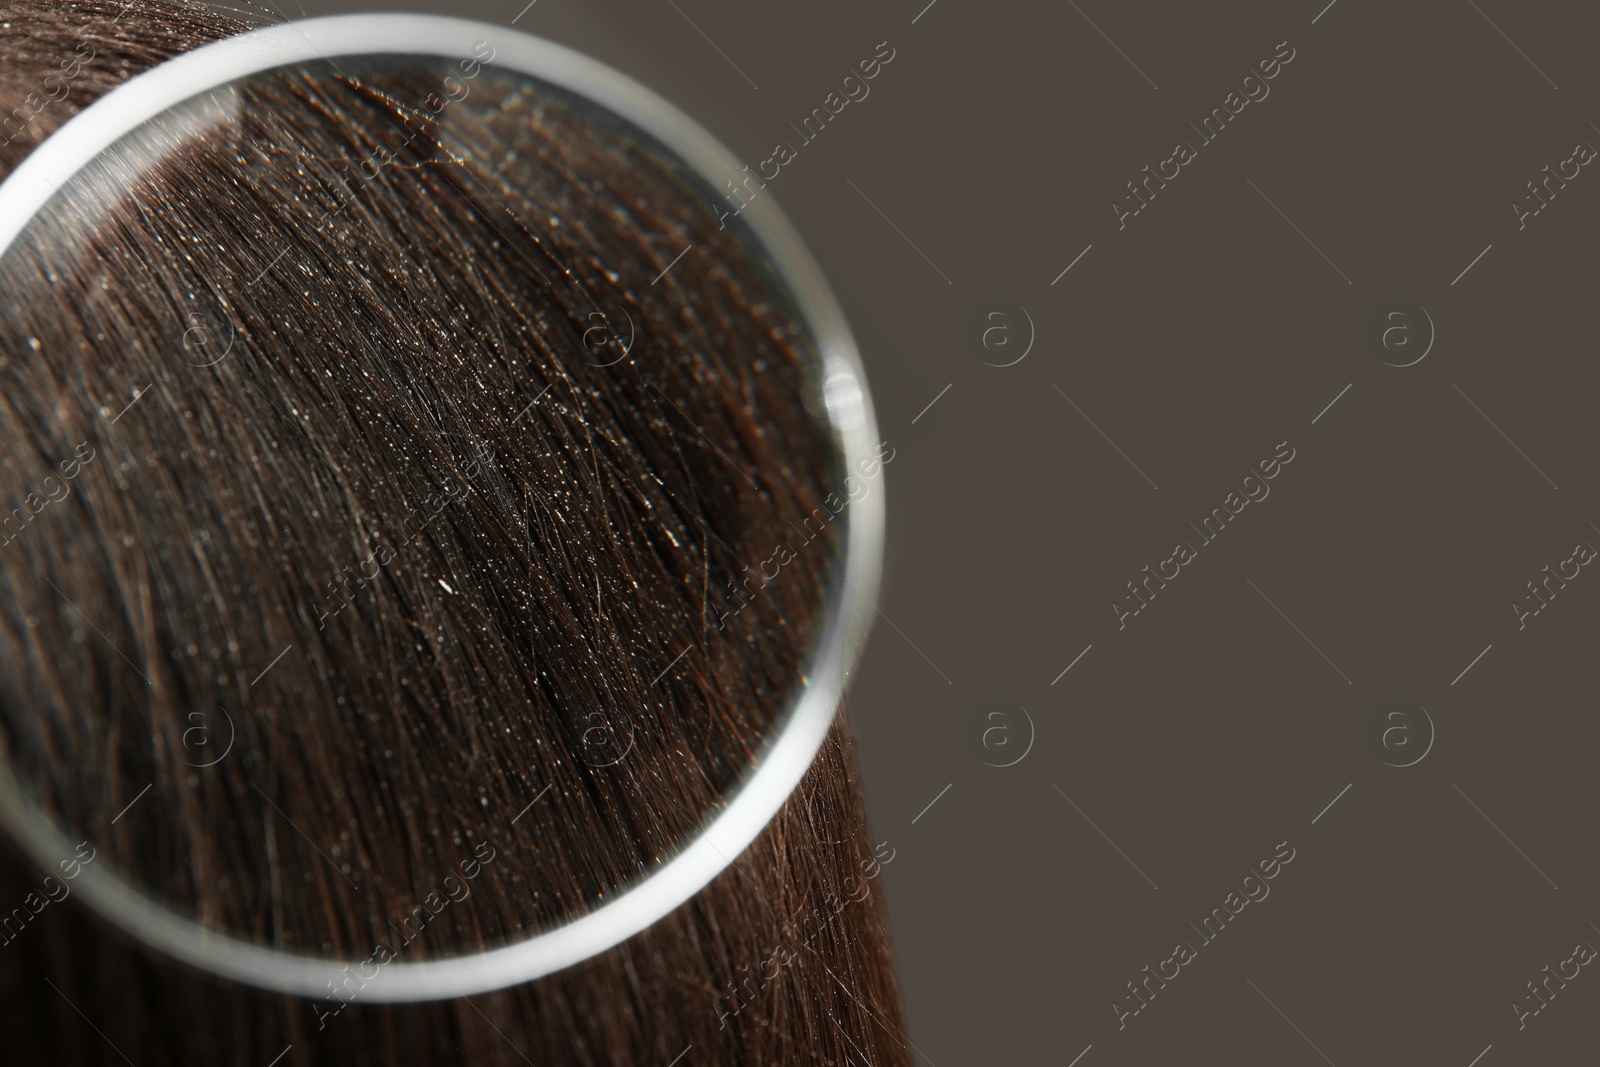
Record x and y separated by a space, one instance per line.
442 547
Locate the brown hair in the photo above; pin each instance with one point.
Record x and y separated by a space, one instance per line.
450 497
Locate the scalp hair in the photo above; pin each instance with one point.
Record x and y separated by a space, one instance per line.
395 438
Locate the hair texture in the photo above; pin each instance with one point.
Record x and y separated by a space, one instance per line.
425 602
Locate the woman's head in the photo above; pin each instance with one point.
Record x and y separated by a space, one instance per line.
404 481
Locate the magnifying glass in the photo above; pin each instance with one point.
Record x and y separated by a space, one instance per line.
634 796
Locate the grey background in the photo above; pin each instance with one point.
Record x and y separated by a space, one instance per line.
1178 752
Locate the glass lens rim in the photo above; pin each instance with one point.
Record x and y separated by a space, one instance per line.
849 412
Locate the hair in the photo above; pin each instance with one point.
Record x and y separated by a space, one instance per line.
408 608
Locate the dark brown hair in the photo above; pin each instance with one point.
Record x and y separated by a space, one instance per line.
372 423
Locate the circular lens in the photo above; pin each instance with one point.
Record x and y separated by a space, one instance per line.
435 507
